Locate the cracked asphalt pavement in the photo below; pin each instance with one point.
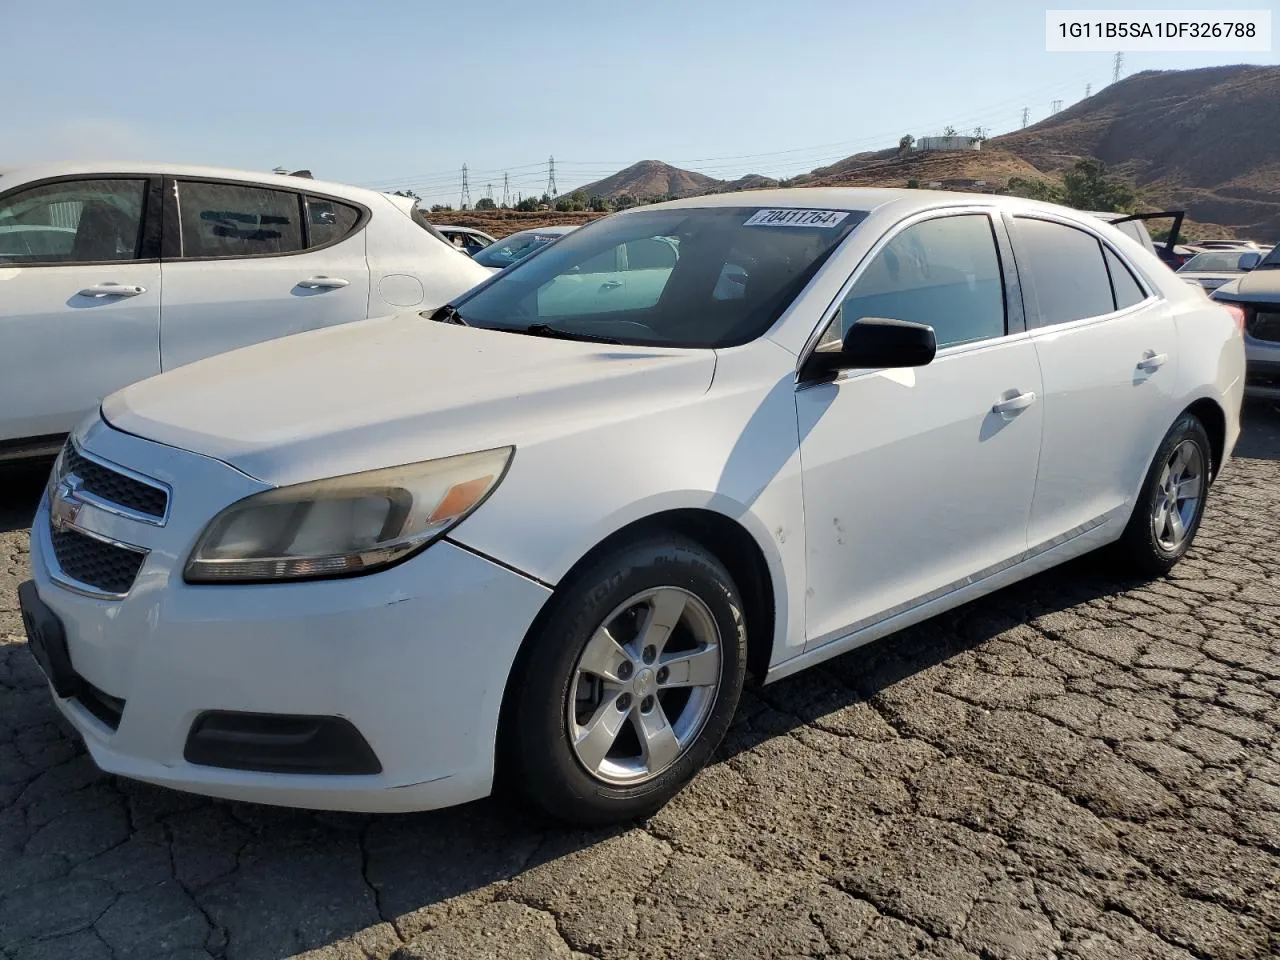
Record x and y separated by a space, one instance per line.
1075 767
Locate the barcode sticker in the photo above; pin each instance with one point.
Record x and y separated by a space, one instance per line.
791 217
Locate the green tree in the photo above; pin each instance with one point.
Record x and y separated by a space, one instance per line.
527 204
406 193
486 203
622 201
913 183
598 204
950 131
441 207
904 144
1086 186
1035 189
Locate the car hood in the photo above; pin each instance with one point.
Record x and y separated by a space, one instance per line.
1261 284
397 390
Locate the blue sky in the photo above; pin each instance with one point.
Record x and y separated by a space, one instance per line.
401 94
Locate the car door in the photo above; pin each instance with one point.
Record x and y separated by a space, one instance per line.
79 299
1108 354
248 262
918 481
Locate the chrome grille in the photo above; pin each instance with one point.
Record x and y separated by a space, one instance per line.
112 486
96 563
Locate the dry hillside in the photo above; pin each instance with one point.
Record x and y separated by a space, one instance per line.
1207 140
651 178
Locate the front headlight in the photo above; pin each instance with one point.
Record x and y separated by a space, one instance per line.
345 525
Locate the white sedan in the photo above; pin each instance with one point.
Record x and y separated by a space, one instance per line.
112 274
551 534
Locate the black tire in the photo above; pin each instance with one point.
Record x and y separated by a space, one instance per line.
538 758
1139 551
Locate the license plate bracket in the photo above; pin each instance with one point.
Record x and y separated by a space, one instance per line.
48 641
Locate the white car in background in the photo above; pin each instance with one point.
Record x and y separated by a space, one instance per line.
113 273
467 239
550 534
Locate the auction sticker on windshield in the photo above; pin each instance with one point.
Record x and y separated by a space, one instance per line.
796 218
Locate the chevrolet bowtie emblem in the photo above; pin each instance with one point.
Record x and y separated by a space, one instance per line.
65 506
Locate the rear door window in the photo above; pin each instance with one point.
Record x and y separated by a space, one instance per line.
235 220
1068 274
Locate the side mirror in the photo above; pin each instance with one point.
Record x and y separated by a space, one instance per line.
875 343
1248 261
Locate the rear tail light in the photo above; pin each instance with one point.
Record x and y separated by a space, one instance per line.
1237 314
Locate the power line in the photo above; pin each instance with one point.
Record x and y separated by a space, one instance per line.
551 176
465 202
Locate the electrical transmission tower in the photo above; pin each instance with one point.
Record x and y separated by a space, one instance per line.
1026 113
488 191
1057 105
1117 66
551 176
506 190
1088 90
465 202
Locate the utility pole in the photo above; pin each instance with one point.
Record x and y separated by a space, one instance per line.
551 177
1116 68
1088 90
1026 112
506 191
1057 105
465 202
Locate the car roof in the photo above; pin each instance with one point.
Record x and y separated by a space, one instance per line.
41 171
450 226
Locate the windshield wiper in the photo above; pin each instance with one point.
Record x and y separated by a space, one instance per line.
449 314
546 330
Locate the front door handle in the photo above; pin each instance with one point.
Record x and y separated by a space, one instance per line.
1153 361
101 290
611 285
323 283
1014 404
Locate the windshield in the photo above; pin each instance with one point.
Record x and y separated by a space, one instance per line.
1218 262
691 277
503 253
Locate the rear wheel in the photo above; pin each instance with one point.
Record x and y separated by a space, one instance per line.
629 685
1171 504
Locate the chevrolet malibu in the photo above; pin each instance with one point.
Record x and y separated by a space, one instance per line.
545 533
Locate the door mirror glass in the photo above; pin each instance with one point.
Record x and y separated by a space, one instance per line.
875 343
1248 261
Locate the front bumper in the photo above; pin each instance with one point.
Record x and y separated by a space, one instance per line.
415 657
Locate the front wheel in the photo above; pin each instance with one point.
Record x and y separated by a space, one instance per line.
1171 504
630 683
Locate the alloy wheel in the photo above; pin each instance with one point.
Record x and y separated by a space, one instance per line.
1178 495
644 686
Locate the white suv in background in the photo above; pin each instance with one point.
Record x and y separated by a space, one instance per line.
110 274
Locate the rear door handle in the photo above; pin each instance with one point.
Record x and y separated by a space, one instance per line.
1014 404
323 283
102 290
1153 361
